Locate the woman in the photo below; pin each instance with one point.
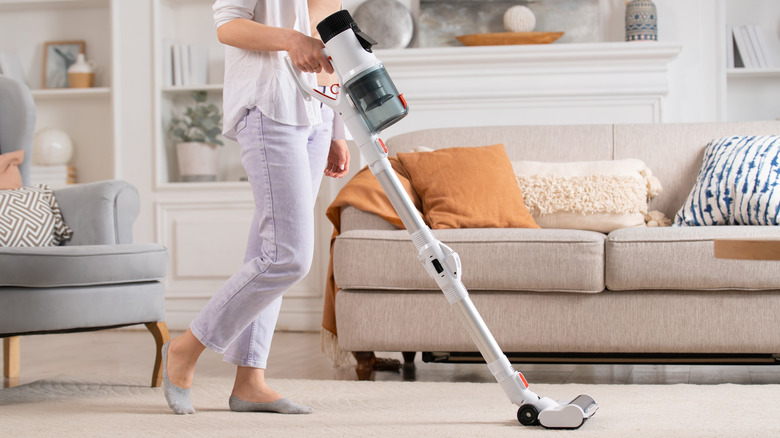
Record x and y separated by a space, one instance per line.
285 146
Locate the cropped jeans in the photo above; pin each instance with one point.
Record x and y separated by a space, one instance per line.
285 166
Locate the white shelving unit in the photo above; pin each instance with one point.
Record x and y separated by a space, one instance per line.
85 114
187 22
751 93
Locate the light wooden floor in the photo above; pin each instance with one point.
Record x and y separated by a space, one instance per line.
298 356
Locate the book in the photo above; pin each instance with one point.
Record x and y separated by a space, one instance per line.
178 75
199 65
55 176
730 63
186 66
750 30
759 40
743 48
167 62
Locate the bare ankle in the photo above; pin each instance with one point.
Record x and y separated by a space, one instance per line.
250 385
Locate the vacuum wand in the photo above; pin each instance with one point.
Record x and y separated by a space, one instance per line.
369 102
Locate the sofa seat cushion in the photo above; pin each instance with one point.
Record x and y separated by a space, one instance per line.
682 258
506 259
82 265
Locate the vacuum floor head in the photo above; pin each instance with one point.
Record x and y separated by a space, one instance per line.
567 414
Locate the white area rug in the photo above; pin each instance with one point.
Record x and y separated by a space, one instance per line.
107 407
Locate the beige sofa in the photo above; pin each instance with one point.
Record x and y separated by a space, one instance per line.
647 294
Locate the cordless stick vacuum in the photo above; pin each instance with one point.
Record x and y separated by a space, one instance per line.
372 103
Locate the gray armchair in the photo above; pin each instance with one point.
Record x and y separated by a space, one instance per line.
96 280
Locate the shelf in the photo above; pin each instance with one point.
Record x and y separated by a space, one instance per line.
68 93
753 73
26 5
181 89
216 185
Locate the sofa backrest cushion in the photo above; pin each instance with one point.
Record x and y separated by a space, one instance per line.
674 151
534 143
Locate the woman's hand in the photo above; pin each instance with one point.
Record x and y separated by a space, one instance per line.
338 159
306 54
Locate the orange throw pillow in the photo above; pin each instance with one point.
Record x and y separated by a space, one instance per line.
10 178
467 187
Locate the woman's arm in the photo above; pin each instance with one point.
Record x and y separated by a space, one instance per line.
305 52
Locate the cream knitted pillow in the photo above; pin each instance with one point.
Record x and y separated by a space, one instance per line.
587 195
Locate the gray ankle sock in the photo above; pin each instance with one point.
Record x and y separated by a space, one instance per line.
178 398
281 406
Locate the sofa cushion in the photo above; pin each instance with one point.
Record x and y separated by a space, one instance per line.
737 184
467 187
587 195
505 259
682 258
10 177
82 265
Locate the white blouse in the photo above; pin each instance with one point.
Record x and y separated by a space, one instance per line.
261 79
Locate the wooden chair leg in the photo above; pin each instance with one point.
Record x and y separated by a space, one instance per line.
161 336
11 357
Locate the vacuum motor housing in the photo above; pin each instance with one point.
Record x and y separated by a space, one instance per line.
364 78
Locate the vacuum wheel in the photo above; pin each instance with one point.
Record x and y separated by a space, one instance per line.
527 415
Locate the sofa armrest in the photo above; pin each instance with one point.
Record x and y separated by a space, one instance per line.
99 213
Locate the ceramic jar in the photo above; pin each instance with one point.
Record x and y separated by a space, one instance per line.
82 73
641 21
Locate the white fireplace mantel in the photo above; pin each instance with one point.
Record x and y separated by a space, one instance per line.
531 84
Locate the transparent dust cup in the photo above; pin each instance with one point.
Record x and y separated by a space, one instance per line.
377 99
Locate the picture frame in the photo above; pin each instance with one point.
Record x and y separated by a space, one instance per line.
57 57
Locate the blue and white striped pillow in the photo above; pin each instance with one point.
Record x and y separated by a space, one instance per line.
738 184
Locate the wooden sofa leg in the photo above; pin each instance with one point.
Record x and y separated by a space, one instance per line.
161 336
409 357
11 357
365 364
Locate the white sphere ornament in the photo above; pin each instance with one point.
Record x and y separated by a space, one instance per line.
519 19
51 147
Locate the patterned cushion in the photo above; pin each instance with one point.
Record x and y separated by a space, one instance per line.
737 184
30 216
587 195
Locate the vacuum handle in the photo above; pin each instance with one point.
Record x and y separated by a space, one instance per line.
308 93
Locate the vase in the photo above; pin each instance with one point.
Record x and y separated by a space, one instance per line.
198 162
641 21
82 73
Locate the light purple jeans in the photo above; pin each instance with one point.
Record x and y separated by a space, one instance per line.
285 166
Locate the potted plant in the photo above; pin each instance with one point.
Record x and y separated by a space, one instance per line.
195 133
